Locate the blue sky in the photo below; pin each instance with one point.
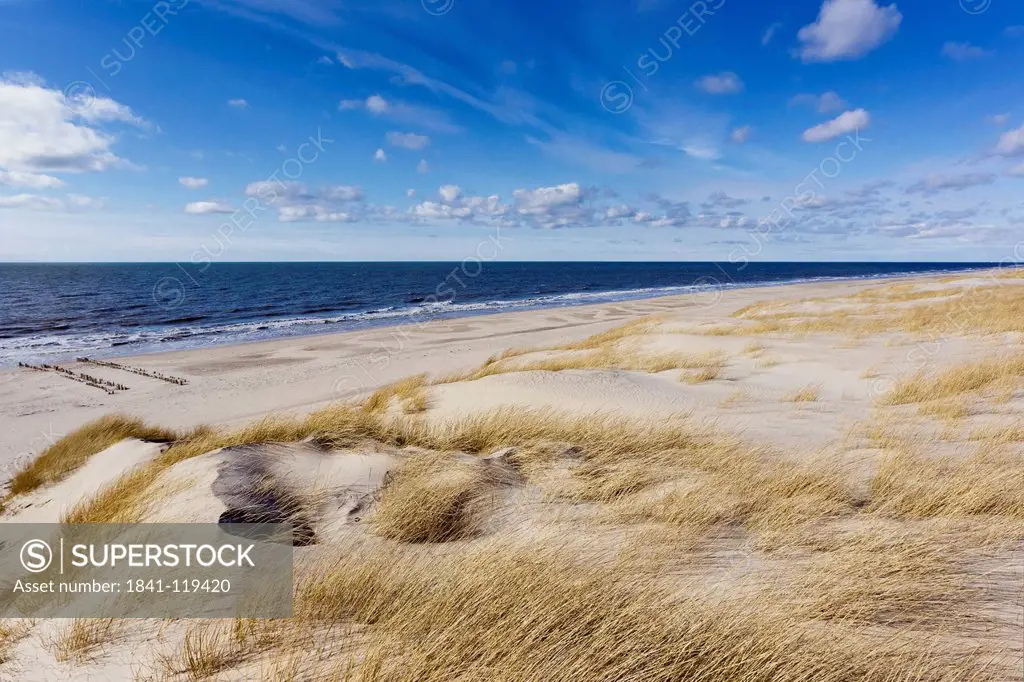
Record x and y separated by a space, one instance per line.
209 130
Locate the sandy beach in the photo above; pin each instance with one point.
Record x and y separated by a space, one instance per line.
835 459
233 384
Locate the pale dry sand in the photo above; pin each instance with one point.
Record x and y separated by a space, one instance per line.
234 384
807 398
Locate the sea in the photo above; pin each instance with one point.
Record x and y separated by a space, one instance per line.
55 312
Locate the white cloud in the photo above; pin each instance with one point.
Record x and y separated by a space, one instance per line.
41 130
30 180
380 155
848 29
999 119
456 207
741 134
193 183
324 59
410 193
376 104
450 193
401 112
619 211
725 83
31 202
1016 171
238 103
343 193
296 202
207 207
847 122
508 67
936 182
543 199
701 151
422 166
1011 143
962 52
769 33
294 214
407 140
82 201
824 103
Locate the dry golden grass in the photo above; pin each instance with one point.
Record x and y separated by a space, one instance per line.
955 381
750 489
754 349
512 612
601 351
767 363
867 606
735 398
83 637
876 575
208 648
807 394
951 409
992 308
989 483
72 451
644 325
431 498
1010 433
410 393
701 376
11 632
602 436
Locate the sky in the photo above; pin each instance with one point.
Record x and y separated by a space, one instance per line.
729 130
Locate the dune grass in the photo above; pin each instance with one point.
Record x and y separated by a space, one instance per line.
950 409
72 451
877 576
612 349
431 498
991 308
988 483
956 381
208 648
867 606
701 376
807 394
540 612
83 637
409 392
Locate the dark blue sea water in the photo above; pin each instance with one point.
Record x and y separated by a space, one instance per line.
53 312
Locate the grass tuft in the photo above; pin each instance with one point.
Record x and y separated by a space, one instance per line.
65 456
431 498
807 394
955 381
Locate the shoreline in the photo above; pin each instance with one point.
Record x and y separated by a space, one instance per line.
412 316
233 384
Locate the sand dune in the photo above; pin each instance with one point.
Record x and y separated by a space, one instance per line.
800 483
